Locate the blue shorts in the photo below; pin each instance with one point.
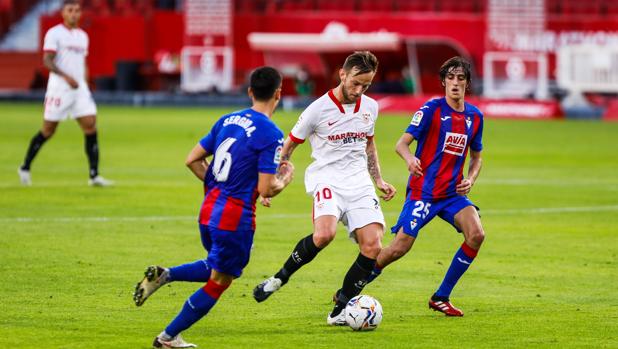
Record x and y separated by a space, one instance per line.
228 251
415 214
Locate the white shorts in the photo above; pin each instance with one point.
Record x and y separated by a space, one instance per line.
354 208
63 103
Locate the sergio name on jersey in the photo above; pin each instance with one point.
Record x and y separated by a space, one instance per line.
338 135
244 143
444 136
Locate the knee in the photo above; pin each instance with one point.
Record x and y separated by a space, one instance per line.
476 237
48 132
90 130
323 237
371 249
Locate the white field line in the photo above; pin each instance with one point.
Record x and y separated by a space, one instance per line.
488 212
481 181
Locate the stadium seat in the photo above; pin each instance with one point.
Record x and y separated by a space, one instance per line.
341 5
373 6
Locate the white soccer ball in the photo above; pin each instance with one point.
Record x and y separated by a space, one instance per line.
363 313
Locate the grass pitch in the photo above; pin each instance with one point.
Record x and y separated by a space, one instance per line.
70 255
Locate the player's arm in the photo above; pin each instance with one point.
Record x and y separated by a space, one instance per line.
48 62
373 166
403 150
269 185
288 148
474 168
196 161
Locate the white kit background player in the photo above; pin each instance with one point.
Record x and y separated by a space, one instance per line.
65 49
340 127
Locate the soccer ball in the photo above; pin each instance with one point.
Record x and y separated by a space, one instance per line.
363 313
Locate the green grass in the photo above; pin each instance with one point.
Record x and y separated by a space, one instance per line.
70 255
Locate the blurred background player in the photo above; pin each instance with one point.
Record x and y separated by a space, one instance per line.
340 127
65 49
445 129
247 152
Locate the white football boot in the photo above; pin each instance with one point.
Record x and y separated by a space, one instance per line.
174 342
338 320
266 288
154 277
99 181
24 176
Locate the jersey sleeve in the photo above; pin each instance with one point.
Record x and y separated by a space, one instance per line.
421 120
208 142
269 156
477 140
50 43
305 125
87 40
374 111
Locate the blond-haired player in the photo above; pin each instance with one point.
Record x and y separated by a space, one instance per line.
340 127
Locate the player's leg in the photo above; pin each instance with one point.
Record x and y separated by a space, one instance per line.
369 239
56 106
195 308
156 276
197 271
468 221
91 145
325 228
228 256
401 244
47 130
414 216
326 215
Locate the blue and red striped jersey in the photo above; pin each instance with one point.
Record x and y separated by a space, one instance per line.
444 136
243 144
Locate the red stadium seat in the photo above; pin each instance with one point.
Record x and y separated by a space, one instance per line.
338 5
373 6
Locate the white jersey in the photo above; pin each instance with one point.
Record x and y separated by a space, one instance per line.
71 48
338 135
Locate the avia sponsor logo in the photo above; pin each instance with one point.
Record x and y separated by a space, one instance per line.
455 143
348 137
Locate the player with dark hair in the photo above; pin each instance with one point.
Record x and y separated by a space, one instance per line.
445 128
65 49
340 127
247 162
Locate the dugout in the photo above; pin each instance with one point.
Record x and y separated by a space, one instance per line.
408 64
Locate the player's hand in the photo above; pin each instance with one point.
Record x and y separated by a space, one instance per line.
265 201
71 82
464 187
286 171
387 189
415 167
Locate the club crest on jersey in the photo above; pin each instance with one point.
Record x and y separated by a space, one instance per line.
366 117
468 122
416 119
455 143
277 158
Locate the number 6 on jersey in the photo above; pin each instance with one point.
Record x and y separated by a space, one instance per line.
223 160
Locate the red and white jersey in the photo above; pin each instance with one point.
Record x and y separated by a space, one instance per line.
338 135
71 48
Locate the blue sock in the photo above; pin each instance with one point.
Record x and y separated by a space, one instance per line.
197 271
196 307
462 260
